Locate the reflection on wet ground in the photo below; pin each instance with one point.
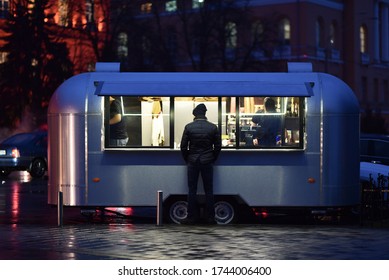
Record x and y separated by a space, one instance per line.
28 230
146 241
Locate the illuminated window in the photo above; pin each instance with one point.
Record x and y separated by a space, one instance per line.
261 122
122 42
89 11
285 31
63 13
183 108
231 34
363 38
3 57
31 5
146 8
244 122
171 6
146 120
196 4
4 8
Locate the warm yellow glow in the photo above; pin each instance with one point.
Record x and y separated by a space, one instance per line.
363 39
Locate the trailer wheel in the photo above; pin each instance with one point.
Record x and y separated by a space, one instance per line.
178 211
224 212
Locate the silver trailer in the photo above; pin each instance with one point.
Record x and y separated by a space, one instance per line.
314 164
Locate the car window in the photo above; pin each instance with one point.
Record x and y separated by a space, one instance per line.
18 139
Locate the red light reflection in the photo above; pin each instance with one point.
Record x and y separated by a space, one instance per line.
15 201
126 211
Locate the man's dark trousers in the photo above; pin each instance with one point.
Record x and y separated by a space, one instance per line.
206 171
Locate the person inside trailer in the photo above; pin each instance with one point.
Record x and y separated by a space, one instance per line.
118 136
268 125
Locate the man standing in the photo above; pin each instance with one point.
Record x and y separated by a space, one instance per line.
200 147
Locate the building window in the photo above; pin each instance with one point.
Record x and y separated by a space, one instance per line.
231 35
365 59
283 50
257 32
63 13
333 41
257 38
319 39
89 11
146 8
4 8
3 57
319 26
333 35
122 42
31 5
171 6
363 38
285 31
196 4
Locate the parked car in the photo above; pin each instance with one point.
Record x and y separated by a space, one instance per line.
24 151
375 148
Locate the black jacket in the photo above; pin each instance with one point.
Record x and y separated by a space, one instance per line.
200 141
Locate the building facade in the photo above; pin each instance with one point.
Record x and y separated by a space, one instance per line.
345 38
82 25
348 39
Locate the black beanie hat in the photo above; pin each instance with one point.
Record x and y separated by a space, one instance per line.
200 110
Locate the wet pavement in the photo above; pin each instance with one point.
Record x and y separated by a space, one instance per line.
147 241
29 231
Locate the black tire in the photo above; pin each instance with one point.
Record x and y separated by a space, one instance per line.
37 168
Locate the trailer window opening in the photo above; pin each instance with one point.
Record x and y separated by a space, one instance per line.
146 121
183 108
264 122
244 122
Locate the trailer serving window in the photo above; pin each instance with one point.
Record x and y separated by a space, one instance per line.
146 120
267 121
244 122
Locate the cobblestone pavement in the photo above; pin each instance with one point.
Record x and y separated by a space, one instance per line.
28 230
147 241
